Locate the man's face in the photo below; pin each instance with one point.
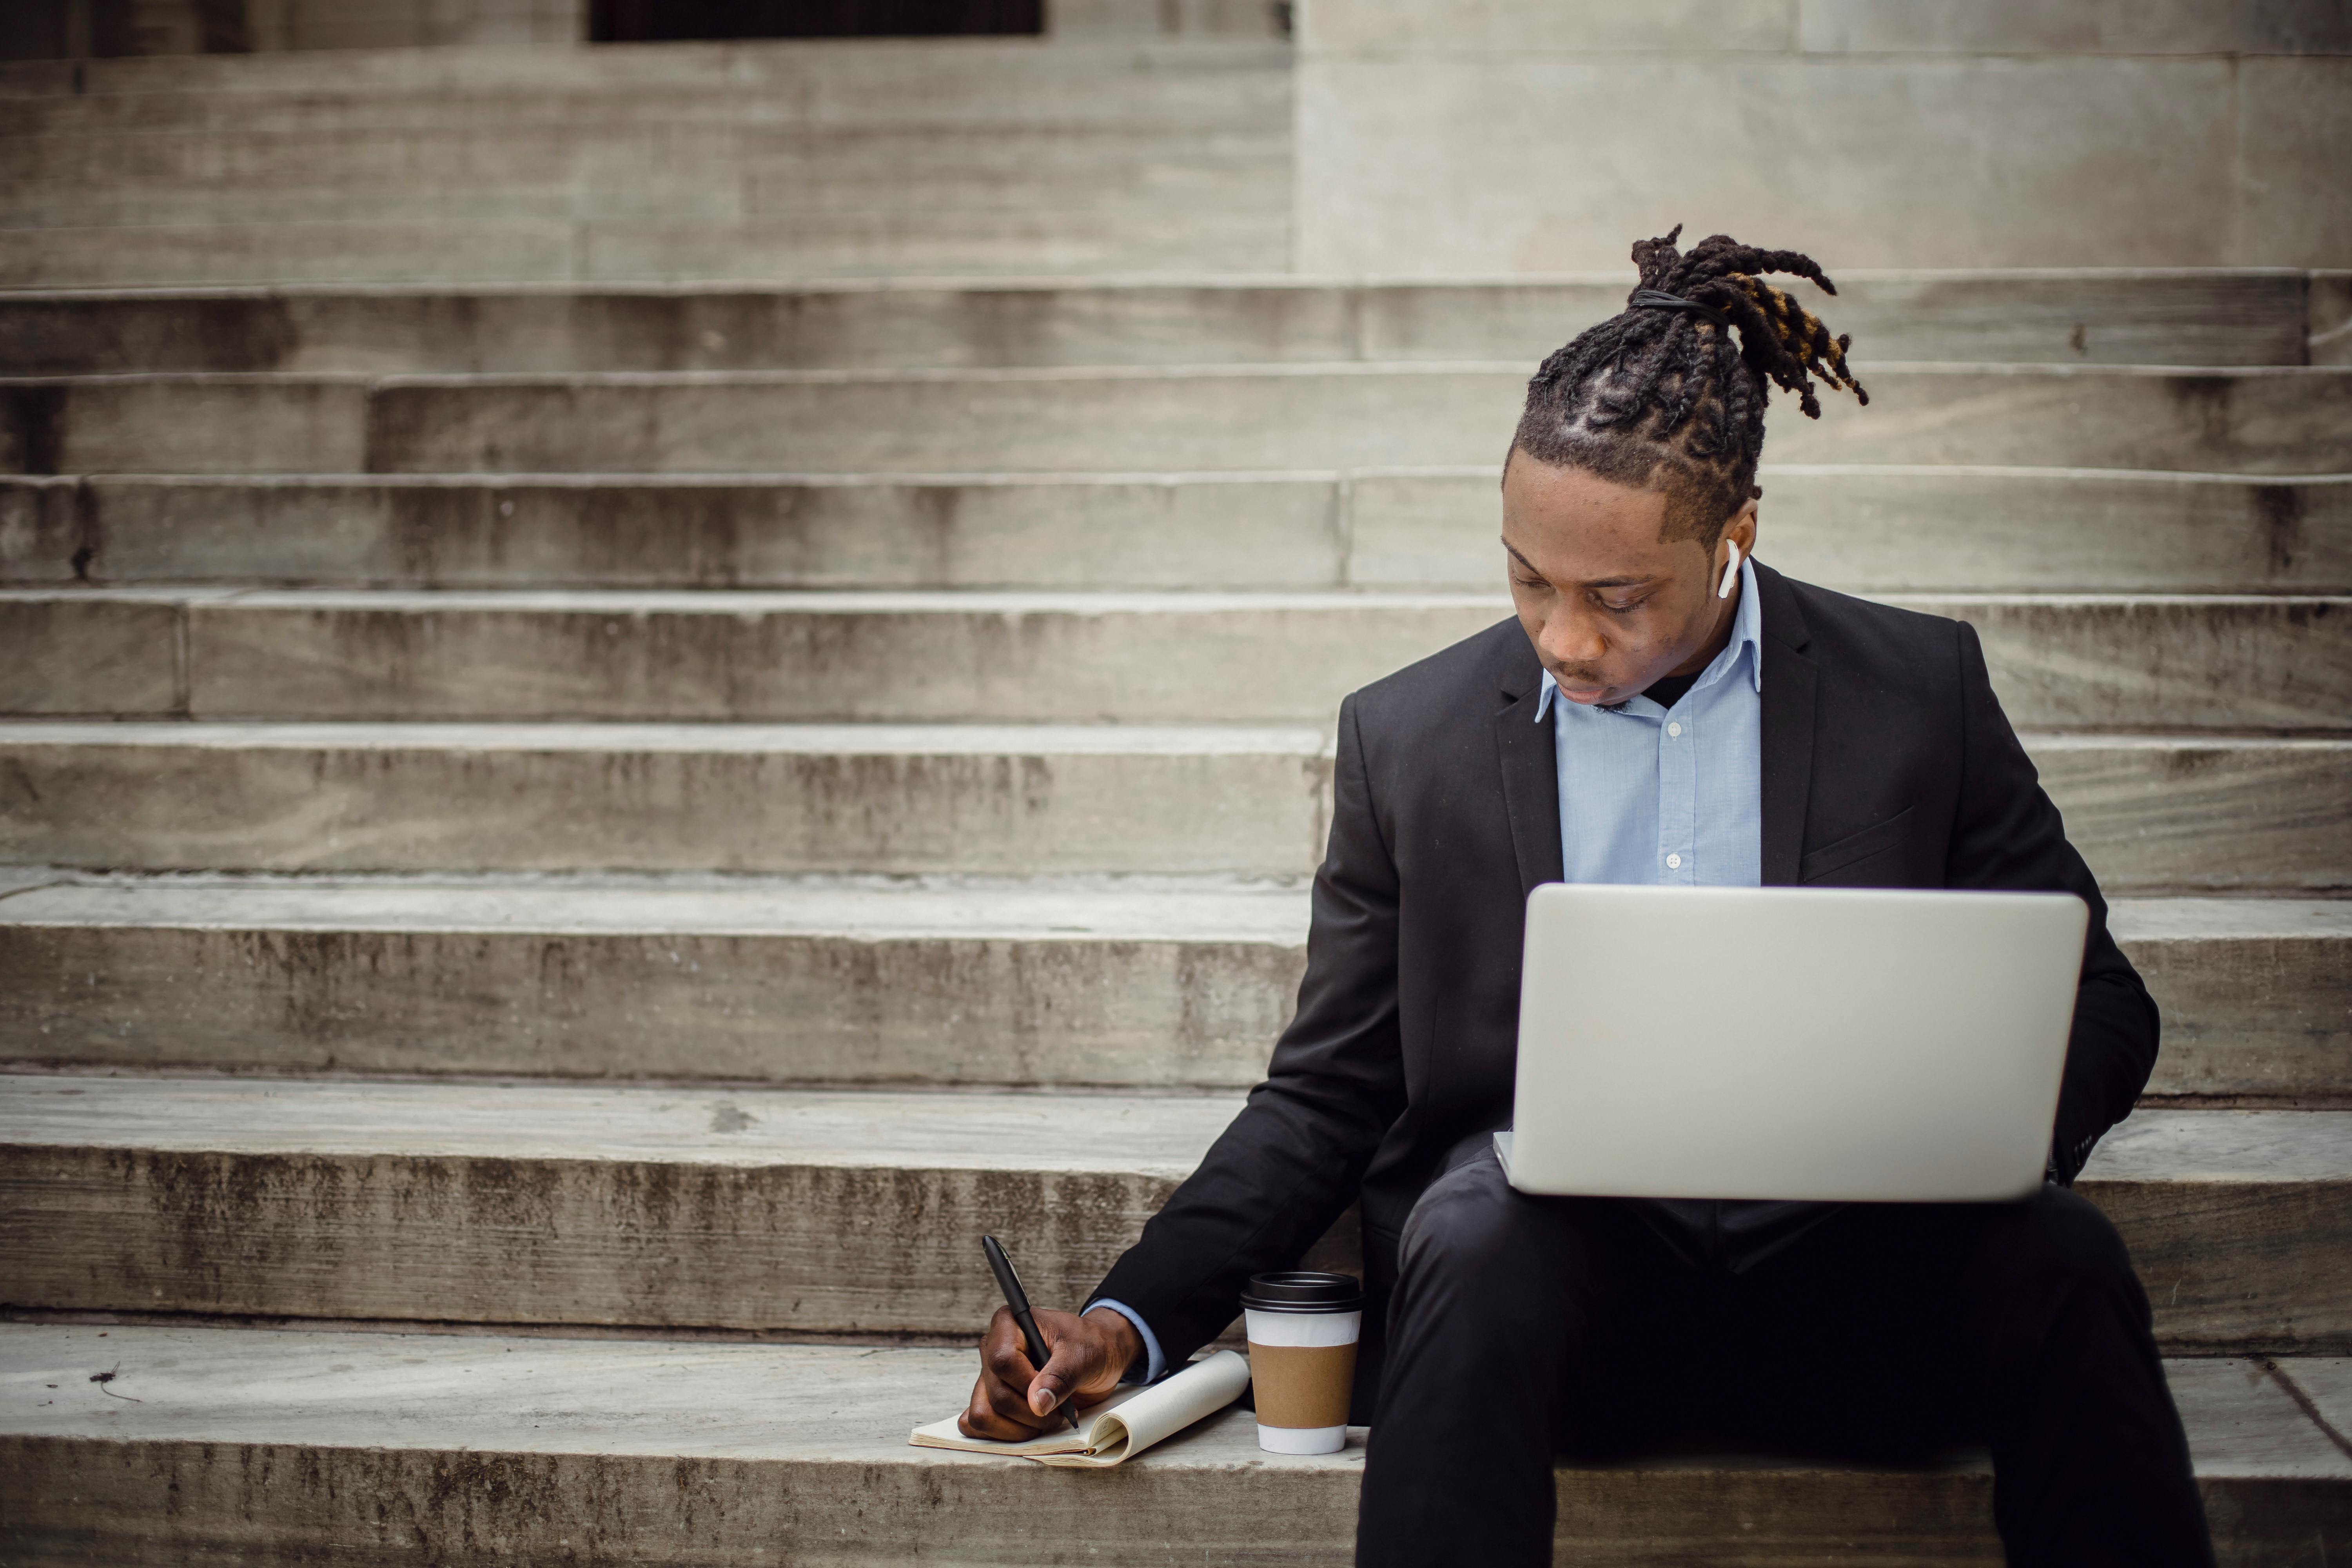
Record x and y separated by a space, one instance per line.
1609 605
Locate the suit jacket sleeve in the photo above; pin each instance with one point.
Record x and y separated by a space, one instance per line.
1289 1165
2008 835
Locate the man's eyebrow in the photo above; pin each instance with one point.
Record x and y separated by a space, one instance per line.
1597 582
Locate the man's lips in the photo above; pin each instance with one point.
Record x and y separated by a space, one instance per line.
1587 695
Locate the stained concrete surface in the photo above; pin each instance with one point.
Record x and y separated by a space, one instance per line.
470 1449
2115 662
2151 813
1134 981
840 1211
2181 317
1871 528
2249 419
728 797
1137 981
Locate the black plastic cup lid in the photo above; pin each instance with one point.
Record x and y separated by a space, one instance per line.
1304 1291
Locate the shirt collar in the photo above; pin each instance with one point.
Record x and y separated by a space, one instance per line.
1747 636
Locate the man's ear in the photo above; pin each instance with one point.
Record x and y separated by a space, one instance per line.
1741 529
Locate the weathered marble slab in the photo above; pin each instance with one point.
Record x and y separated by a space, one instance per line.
2288 420
1162 984
984 156
1132 982
2269 662
2224 815
1862 529
854 1212
370 1447
875 799
961 530
2187 317
2239 1223
2256 994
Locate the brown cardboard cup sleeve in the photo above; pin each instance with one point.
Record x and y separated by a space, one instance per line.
1303 1326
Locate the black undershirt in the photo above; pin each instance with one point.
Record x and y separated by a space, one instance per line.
1667 690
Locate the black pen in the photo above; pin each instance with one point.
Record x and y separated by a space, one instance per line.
1018 1300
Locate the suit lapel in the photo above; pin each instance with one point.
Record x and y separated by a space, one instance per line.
1790 679
1530 773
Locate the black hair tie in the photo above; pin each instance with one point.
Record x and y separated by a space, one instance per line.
1659 299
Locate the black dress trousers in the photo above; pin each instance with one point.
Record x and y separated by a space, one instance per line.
1525 1326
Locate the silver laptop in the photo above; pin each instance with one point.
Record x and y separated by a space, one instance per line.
1829 1044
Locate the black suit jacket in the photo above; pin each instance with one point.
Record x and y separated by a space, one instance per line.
1887 762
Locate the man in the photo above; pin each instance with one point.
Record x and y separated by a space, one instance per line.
1663 711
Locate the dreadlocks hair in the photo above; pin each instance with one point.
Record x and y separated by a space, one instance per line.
1660 397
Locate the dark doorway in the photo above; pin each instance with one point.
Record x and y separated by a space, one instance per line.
659 21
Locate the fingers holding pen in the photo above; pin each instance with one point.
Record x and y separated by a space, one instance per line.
1036 1368
1015 1399
1002 1414
1000 1405
1049 1388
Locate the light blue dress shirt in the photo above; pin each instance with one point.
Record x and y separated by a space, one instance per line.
1155 1363
1666 797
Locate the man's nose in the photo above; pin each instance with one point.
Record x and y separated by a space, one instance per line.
1569 639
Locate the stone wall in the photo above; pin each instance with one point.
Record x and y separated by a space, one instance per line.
1452 137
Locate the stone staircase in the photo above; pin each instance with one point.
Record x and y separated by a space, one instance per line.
566 844
646 161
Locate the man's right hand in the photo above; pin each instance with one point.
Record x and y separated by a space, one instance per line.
1086 1357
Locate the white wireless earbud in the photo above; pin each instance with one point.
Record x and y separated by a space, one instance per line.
1730 575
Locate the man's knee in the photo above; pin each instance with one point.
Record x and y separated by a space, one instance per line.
1485 1275
2054 1247
1471 1226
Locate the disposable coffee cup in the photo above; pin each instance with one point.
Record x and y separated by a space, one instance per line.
1303 1328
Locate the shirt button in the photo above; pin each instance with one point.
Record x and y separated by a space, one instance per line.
1673 729
1674 862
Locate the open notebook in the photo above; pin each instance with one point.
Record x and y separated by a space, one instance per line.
1122 1426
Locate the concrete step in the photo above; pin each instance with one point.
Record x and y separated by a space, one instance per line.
2203 317
2151 813
906 800
2273 662
1129 982
925 658
2256 994
1877 529
660 1452
609 146
976 83
1137 983
719 178
2159 814
2275 420
854 1212
1031 230
725 148
354 251
1887 529
776 160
